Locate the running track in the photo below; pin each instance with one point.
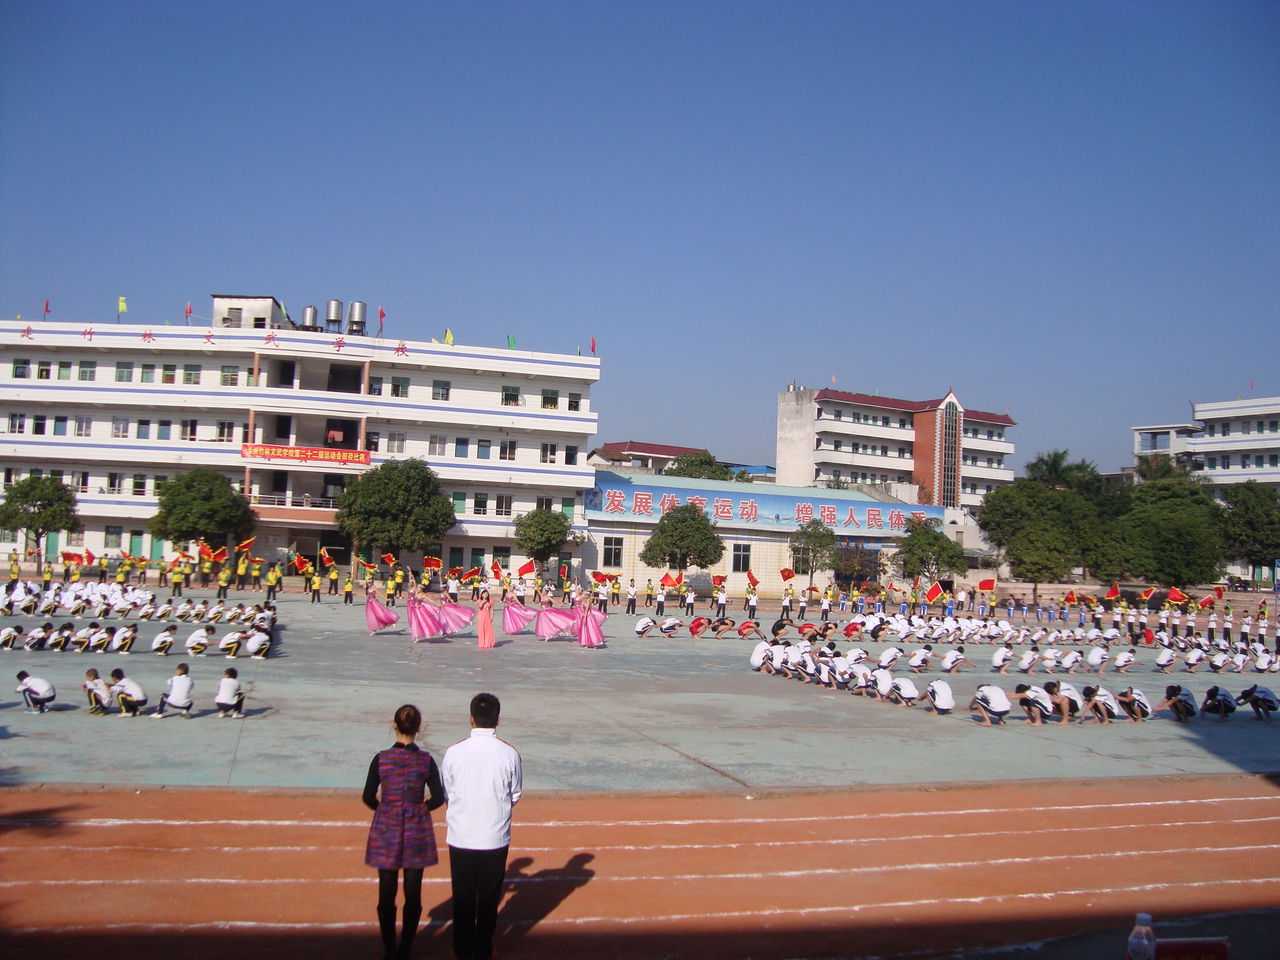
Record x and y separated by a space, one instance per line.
886 873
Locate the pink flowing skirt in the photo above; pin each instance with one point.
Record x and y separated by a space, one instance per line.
378 616
589 631
516 617
550 622
423 622
454 617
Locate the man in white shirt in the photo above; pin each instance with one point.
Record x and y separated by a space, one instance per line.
483 781
992 703
177 693
37 692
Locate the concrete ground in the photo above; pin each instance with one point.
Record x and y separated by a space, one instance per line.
652 715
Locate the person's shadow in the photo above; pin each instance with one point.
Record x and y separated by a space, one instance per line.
533 896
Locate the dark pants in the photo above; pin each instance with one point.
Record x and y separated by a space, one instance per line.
477 887
387 909
631 605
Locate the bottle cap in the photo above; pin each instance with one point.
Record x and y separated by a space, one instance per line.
1144 919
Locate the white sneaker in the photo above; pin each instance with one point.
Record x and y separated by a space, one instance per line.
237 716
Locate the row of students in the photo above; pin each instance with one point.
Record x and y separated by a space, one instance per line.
255 639
130 698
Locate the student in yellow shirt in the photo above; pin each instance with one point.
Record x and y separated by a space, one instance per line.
316 583
348 588
333 580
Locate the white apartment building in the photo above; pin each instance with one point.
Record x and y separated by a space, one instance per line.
1230 441
290 415
953 456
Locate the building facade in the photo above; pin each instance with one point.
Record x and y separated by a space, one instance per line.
1229 442
953 456
290 416
753 520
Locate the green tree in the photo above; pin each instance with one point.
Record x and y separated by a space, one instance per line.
541 533
813 547
1024 504
201 503
1041 554
684 537
1107 554
39 505
393 507
1157 466
1251 523
855 563
926 552
1056 469
1174 533
700 465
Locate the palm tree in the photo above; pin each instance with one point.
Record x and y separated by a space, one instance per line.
1157 466
1056 469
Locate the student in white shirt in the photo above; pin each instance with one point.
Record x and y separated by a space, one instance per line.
177 693
1179 701
1101 703
129 694
952 659
232 642
199 640
97 692
758 654
644 625
1124 660
992 703
939 698
1001 659
1262 699
1027 662
903 692
1165 659
258 644
919 659
1035 702
1067 701
1097 658
1134 703
230 696
37 692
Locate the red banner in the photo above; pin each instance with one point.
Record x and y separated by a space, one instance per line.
265 451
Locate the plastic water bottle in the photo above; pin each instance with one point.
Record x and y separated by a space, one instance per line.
1142 942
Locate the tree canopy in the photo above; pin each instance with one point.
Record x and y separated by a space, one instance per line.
201 503
683 537
1173 533
541 533
396 506
814 547
701 465
1251 523
927 552
39 505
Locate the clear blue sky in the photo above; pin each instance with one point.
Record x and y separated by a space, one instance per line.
1065 209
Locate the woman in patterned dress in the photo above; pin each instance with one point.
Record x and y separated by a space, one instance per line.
401 836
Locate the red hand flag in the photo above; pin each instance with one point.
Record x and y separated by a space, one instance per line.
219 555
1177 596
1070 597
564 570
667 580
753 579
1217 592
933 593
206 553
988 585
786 573
717 580
526 569
1113 593
389 559
325 558
598 577
473 572
89 557
432 563
497 570
244 546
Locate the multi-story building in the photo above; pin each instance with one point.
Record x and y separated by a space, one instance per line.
954 456
290 415
1230 441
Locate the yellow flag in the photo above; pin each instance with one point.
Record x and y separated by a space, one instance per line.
122 307
448 336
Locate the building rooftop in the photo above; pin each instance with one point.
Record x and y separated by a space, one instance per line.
648 449
910 406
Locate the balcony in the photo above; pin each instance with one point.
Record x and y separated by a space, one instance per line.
293 500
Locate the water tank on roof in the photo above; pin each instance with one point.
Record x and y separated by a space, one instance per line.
310 317
355 318
333 313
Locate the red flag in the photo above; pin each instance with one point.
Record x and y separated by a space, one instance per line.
1206 602
497 570
219 555
68 557
667 580
188 313
300 562
933 593
988 585
1146 594
205 552
786 573
564 570
382 315
598 577
89 557
1217 592
526 569
327 560
244 546
753 579
1177 596
593 346
432 563
366 564
1113 593
679 578
46 308
175 561
915 584
716 581
453 571
473 572
389 559
1070 597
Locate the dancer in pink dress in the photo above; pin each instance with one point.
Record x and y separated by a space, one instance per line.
516 617
454 616
484 621
551 622
376 615
589 632
420 612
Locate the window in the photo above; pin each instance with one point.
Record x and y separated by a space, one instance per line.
837 444
612 551
84 426
510 396
230 376
88 370
507 450
148 373
44 371
189 429
436 444
502 557
39 421
395 442
575 401
75 539
372 440
124 371
502 505
139 484
837 414
113 482
1213 463
440 389
235 316
169 373
741 557
549 451
480 504
226 431
119 427
164 430
542 503
17 423
21 369
461 445
158 482
550 399
191 373
400 386
59 426
567 505
459 505
482 449
375 386
1226 429
571 455
111 538
64 369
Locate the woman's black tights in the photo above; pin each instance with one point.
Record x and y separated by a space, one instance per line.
387 910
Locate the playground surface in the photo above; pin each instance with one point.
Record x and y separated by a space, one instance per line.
677 804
